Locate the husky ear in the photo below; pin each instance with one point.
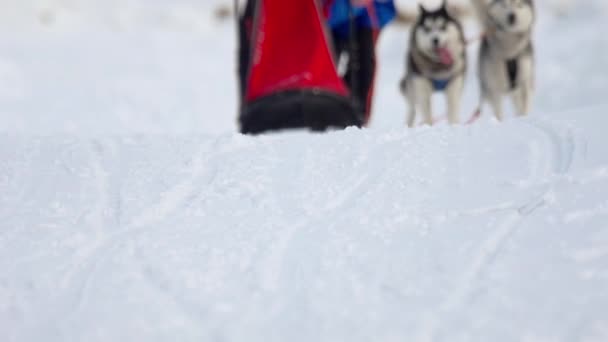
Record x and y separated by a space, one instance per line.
444 6
422 10
444 9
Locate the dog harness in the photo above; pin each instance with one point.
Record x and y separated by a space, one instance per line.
512 66
440 85
512 71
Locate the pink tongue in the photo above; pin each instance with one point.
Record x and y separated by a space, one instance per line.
445 56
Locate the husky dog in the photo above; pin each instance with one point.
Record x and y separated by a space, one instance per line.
436 62
506 56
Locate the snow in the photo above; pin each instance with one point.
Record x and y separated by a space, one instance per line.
130 210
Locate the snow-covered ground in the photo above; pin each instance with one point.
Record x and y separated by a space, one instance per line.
131 211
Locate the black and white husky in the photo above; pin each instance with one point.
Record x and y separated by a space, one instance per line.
506 55
436 62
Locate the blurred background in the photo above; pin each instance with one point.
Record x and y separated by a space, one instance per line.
167 66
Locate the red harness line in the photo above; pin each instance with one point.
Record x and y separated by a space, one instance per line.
476 115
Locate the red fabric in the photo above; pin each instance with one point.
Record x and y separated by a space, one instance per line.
327 8
290 50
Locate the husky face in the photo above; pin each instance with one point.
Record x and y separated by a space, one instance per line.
514 16
436 31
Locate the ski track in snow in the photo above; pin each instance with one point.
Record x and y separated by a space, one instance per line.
555 158
97 219
360 184
561 149
170 201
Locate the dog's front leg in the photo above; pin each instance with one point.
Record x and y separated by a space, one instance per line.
520 100
427 110
529 94
453 95
522 96
495 101
411 115
424 91
409 92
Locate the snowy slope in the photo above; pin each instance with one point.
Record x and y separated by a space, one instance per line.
442 234
129 210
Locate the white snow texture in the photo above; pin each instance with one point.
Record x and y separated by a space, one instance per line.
130 210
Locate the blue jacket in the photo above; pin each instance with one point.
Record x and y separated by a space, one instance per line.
339 17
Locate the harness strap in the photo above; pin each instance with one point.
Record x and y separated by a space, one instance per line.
437 83
512 71
440 85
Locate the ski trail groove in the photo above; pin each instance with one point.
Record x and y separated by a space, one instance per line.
274 263
562 150
95 218
563 145
276 259
169 202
